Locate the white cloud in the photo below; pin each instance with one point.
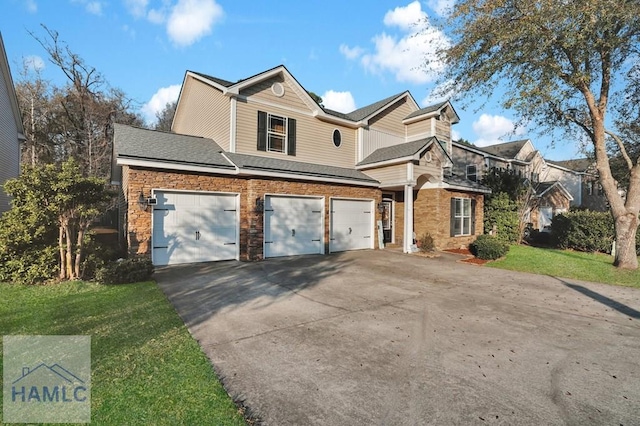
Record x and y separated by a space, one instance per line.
137 8
441 7
33 62
32 6
158 101
455 135
410 55
94 7
338 101
156 16
351 52
190 20
490 128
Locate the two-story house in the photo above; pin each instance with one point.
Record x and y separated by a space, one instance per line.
558 185
11 130
256 168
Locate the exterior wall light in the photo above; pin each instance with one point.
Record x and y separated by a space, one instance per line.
380 207
259 205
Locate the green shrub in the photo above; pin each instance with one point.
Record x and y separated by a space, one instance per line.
488 247
96 255
427 242
501 212
583 230
125 271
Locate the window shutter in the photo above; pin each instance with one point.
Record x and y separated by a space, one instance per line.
473 216
452 218
262 131
291 137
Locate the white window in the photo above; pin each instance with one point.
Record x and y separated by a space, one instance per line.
461 216
276 133
472 172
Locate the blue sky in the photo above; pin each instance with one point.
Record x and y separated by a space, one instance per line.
352 53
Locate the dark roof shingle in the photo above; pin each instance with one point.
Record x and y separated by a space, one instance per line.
577 164
396 151
507 150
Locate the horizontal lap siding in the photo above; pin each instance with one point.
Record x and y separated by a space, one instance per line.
420 128
204 111
9 145
388 175
390 120
262 92
314 138
251 222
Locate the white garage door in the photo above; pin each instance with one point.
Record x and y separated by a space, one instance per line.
351 225
194 227
292 226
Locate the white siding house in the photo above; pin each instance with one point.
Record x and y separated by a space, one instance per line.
11 130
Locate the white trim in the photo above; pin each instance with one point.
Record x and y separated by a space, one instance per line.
372 228
359 143
386 163
173 166
233 124
465 188
408 219
562 188
323 116
410 172
251 172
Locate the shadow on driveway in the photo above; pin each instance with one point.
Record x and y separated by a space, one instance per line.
620 307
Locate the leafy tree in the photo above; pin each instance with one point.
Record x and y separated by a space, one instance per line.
465 142
47 199
165 117
316 98
507 207
560 63
74 120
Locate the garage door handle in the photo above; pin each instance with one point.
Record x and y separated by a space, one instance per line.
318 240
229 244
368 236
316 211
293 232
268 242
350 231
229 210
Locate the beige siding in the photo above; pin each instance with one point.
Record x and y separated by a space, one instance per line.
390 120
314 143
389 175
9 144
443 130
374 139
463 158
428 171
203 111
262 92
419 128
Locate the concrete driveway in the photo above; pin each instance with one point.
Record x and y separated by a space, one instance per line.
376 337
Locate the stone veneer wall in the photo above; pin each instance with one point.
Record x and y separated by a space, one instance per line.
432 210
251 222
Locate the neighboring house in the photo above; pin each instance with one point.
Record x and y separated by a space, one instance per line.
11 130
257 169
558 185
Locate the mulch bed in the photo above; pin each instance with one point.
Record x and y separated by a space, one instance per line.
470 259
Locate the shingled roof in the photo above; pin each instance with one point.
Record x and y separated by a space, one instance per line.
577 165
463 182
507 150
402 150
426 110
143 144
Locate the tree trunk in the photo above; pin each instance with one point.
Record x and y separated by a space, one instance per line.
63 269
79 251
626 228
69 254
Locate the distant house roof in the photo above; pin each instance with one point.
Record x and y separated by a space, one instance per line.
543 187
463 182
143 144
134 143
507 150
265 164
402 150
577 165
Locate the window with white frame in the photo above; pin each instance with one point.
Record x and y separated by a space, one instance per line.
472 172
461 216
276 133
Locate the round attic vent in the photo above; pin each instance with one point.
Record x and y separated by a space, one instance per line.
278 89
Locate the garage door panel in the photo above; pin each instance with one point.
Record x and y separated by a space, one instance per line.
194 227
351 225
293 226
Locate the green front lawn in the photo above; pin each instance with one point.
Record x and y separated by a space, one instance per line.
594 267
146 367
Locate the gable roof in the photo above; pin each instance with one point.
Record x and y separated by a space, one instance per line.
143 144
366 111
544 187
403 150
577 164
429 110
8 80
507 150
152 148
466 184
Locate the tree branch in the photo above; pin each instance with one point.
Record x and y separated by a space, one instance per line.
623 150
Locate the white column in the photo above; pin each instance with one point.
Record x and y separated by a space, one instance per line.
232 124
408 218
